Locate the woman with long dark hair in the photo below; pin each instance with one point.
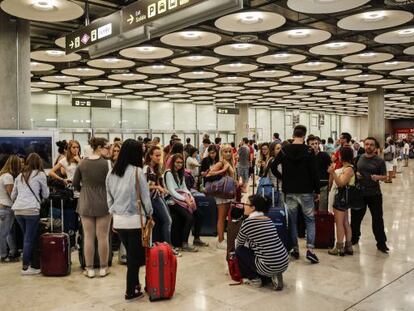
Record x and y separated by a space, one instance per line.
29 188
264 156
122 187
176 148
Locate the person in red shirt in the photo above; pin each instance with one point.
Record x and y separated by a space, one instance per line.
345 141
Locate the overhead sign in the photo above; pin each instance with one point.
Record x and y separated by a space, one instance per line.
228 110
321 120
295 117
144 11
100 29
94 103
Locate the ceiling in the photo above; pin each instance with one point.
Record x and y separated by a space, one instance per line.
268 56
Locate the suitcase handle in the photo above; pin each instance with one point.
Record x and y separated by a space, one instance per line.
61 214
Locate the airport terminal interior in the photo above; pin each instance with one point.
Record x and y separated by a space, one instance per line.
202 77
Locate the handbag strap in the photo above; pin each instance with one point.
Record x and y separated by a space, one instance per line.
31 190
140 208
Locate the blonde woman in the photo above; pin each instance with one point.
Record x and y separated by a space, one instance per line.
115 149
225 167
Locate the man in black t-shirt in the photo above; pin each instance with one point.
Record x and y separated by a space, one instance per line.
370 171
323 161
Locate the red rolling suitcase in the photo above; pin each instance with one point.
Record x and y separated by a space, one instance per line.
55 250
161 271
325 229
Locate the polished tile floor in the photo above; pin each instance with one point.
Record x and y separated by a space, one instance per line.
369 280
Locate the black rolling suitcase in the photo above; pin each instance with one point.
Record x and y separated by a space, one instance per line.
207 207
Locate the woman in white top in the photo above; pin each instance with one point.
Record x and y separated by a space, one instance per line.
389 156
121 190
8 173
191 163
340 178
29 189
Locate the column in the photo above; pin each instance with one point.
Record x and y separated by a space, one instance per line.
376 124
242 123
15 103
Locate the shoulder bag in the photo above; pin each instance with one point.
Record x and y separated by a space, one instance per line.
349 197
146 229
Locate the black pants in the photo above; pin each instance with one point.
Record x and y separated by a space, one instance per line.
182 222
374 204
131 238
247 264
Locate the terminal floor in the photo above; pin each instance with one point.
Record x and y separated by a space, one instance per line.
369 280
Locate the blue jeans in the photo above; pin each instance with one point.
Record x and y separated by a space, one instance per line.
29 226
306 200
163 217
6 235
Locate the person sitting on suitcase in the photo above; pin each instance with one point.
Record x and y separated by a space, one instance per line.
342 177
261 254
122 184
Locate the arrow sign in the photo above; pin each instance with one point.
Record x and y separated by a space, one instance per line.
71 44
130 19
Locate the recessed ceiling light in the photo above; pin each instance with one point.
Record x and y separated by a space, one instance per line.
232 78
191 35
297 77
60 77
281 55
111 60
158 67
198 72
367 54
316 63
44 5
128 74
83 69
166 79
406 32
146 49
336 45
373 16
340 70
249 18
34 64
269 71
391 63
299 33
362 76
196 58
241 46
236 65
55 52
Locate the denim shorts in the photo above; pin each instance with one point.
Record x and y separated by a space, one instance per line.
243 172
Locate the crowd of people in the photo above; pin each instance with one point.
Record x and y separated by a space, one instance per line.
120 185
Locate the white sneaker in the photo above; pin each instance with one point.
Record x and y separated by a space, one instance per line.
222 244
103 272
90 273
30 271
254 282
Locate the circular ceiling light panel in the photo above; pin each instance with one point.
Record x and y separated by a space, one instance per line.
175 95
111 63
403 72
60 79
191 38
140 86
373 20
35 90
383 82
232 79
202 102
158 69
300 36
235 67
146 52
81 88
399 86
229 88
102 82
343 96
409 50
325 93
83 72
43 10
307 91
298 78
182 101
128 96
401 36
195 85
324 6
63 92
342 86
35 66
241 49
270 73
225 100
341 72
44 85
158 99
198 75
277 94
117 91
254 91
407 98
249 97
392 65
281 58
96 94
149 93
314 66
337 48
367 58
127 76
285 87
173 89
202 92
226 94
250 21
322 83
203 98
195 61
166 81
362 90
54 56
261 83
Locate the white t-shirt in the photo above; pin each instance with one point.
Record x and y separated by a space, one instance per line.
406 149
70 172
5 180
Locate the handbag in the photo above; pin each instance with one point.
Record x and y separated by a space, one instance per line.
234 269
388 156
224 188
349 197
146 229
190 208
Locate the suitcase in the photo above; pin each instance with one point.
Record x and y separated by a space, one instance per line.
325 229
234 269
71 224
96 260
207 207
235 219
55 250
161 271
279 218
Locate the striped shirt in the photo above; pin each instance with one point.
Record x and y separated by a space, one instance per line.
261 236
